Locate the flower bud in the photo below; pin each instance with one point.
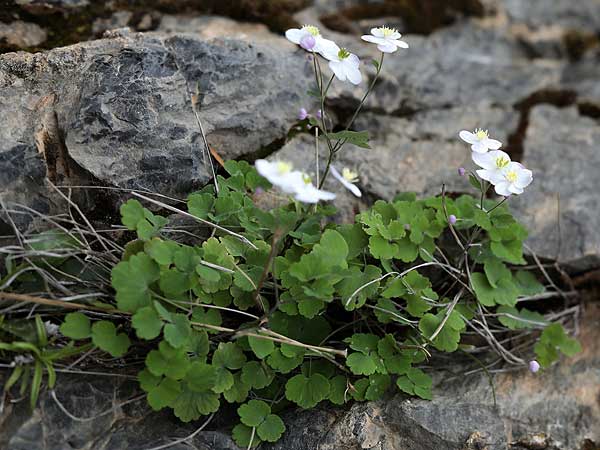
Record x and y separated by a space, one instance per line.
534 366
302 114
461 171
452 219
319 114
308 42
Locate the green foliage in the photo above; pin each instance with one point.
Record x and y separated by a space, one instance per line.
299 311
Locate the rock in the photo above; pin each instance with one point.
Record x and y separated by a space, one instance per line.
582 15
560 148
416 154
122 115
21 34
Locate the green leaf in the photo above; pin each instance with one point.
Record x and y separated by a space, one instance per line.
495 270
200 205
338 389
552 339
449 336
168 361
201 377
243 436
527 283
238 392
261 347
161 251
254 412
190 405
378 384
358 138
282 363
256 375
361 364
163 394
179 331
514 319
504 294
146 322
132 279
76 326
307 392
104 335
229 355
363 342
135 217
271 429
475 182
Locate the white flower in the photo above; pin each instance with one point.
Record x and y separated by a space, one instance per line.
492 164
321 44
51 328
480 140
308 193
514 179
387 39
347 178
279 173
343 64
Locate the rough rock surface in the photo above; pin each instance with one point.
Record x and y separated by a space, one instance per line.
119 110
561 403
564 182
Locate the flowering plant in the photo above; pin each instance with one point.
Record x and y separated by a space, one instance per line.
281 306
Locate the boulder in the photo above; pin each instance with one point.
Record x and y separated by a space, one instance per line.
561 207
118 111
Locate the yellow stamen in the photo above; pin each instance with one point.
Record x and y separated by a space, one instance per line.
284 167
343 53
306 178
511 176
349 175
501 162
311 29
387 32
481 134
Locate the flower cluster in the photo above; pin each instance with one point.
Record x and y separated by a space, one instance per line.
294 182
344 64
508 177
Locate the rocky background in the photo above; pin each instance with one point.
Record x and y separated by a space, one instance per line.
101 96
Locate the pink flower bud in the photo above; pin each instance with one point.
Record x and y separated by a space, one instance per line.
534 366
302 114
452 219
461 171
308 42
319 114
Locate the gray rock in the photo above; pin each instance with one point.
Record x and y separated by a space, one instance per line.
561 149
580 15
22 34
121 112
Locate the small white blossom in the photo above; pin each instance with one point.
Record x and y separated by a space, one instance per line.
387 39
51 328
301 36
343 64
514 179
308 193
347 178
279 173
480 140
21 360
492 164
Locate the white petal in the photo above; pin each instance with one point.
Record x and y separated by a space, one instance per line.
372 39
401 44
310 194
479 147
467 136
265 168
353 74
387 47
492 143
487 175
294 35
514 189
485 160
337 68
395 35
353 60
502 188
326 48
377 32
348 185
524 178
